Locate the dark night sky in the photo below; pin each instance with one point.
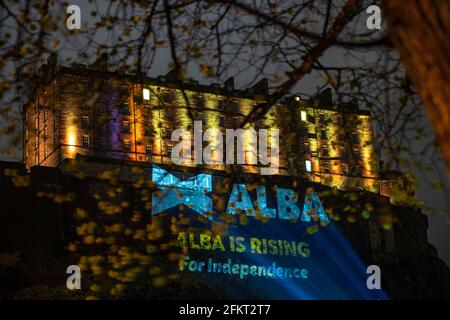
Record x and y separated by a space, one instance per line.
439 228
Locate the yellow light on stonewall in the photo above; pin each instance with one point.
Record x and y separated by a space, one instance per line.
146 94
71 142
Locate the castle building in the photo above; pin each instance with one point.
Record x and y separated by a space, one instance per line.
92 112
120 121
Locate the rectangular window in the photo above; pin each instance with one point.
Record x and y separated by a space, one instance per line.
221 105
199 101
345 169
321 118
55 124
36 123
148 149
126 126
36 159
102 126
355 138
146 94
125 108
169 114
303 115
323 135
102 143
308 165
85 122
36 139
55 141
127 145
147 131
45 151
325 152
45 115
169 150
45 131
85 141
222 121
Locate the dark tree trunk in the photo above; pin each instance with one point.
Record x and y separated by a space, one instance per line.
420 31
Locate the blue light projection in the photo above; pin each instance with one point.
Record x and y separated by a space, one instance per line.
336 271
287 207
262 204
173 192
308 210
239 199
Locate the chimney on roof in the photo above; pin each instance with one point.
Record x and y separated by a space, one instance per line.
324 98
229 84
172 76
261 87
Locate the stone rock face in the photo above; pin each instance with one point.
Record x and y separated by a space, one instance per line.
37 223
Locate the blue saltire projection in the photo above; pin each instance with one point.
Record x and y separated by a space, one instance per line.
335 270
190 192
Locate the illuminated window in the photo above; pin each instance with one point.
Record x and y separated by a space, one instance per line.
85 141
36 159
148 149
345 169
85 122
36 142
36 123
308 165
45 115
127 145
45 131
45 151
303 115
146 94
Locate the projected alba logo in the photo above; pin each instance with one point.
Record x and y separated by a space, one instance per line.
273 258
193 191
